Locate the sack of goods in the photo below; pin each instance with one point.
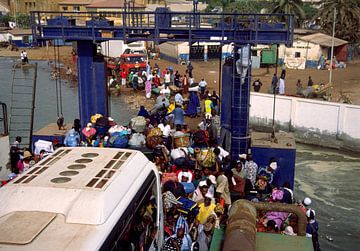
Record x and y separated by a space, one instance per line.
117 140
201 137
178 153
155 132
137 140
205 157
168 177
43 145
182 141
138 124
153 141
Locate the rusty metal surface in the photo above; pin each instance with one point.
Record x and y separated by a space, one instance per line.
241 227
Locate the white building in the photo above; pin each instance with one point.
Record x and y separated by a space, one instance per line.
307 50
18 37
181 52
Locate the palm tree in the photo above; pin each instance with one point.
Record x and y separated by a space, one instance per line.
347 19
290 7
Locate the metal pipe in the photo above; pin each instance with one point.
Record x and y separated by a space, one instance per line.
33 106
241 227
274 90
220 72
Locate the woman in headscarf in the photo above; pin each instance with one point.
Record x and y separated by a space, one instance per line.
148 88
194 103
143 112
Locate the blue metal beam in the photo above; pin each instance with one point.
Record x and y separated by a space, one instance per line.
91 81
158 26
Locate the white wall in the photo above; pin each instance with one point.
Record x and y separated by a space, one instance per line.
307 50
4 157
334 120
3 37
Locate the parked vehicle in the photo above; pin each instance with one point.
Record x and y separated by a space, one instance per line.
126 63
81 199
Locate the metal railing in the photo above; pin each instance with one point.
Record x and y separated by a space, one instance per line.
143 21
4 119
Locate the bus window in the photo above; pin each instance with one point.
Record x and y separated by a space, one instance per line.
136 228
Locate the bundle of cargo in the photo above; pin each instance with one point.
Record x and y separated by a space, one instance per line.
138 124
154 138
182 140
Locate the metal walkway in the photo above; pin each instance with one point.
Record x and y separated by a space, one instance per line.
164 26
22 105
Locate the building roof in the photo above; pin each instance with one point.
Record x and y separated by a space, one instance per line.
4 6
323 40
111 4
75 2
17 32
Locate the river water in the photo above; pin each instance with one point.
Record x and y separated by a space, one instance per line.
46 111
329 177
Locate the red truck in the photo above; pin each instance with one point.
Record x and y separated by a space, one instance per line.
126 63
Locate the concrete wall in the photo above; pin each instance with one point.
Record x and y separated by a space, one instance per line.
307 50
309 54
4 157
315 122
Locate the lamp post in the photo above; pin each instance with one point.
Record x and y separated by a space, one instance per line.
195 3
124 14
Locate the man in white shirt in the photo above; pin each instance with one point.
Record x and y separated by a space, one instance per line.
167 78
69 75
166 92
26 60
220 152
111 82
179 99
282 86
165 128
22 57
202 85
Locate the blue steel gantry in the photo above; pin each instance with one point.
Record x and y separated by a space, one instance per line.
242 30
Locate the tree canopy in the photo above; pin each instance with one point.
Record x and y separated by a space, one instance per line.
347 18
23 20
290 7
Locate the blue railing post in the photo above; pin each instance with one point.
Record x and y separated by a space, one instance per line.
240 140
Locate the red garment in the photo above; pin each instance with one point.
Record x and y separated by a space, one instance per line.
156 81
185 85
123 74
240 185
20 166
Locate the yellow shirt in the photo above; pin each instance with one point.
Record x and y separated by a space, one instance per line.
171 107
204 212
208 106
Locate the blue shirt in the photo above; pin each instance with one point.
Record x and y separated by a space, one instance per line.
178 116
311 228
265 173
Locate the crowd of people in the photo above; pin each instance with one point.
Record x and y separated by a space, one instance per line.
200 179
